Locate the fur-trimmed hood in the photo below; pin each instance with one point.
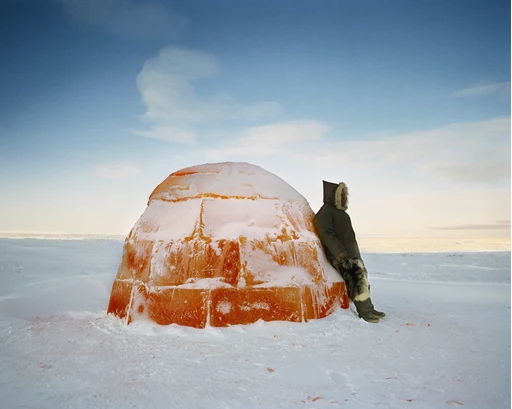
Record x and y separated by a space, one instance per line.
336 194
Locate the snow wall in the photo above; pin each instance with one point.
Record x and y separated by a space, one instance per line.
222 244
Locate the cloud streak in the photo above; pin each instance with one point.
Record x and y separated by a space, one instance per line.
128 18
168 133
467 152
170 88
272 139
470 152
116 171
499 88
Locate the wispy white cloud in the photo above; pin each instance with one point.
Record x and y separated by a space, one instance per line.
470 152
271 139
116 171
476 152
166 85
169 87
482 170
499 88
168 133
128 18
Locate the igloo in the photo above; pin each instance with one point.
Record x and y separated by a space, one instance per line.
222 244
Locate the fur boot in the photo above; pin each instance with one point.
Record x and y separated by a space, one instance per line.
364 310
379 314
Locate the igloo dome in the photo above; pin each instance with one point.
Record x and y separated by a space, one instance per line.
222 244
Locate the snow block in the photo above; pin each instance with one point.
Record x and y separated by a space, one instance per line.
184 261
120 298
321 300
182 306
223 244
247 305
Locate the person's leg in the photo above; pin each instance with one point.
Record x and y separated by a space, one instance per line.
364 287
346 273
355 276
362 300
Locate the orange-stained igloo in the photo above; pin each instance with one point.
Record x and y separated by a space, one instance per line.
222 244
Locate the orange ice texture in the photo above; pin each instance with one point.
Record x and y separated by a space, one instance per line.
223 244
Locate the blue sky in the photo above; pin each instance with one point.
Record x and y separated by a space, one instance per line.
406 101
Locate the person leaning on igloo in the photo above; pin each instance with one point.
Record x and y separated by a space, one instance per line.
339 240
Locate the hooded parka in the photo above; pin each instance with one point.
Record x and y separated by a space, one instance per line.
334 226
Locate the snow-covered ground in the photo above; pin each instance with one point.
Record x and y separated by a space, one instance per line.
444 343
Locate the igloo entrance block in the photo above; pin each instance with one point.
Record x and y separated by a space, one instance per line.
222 244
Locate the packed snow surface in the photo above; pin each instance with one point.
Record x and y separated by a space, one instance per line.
227 179
445 342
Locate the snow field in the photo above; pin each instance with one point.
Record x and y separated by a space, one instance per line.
444 343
